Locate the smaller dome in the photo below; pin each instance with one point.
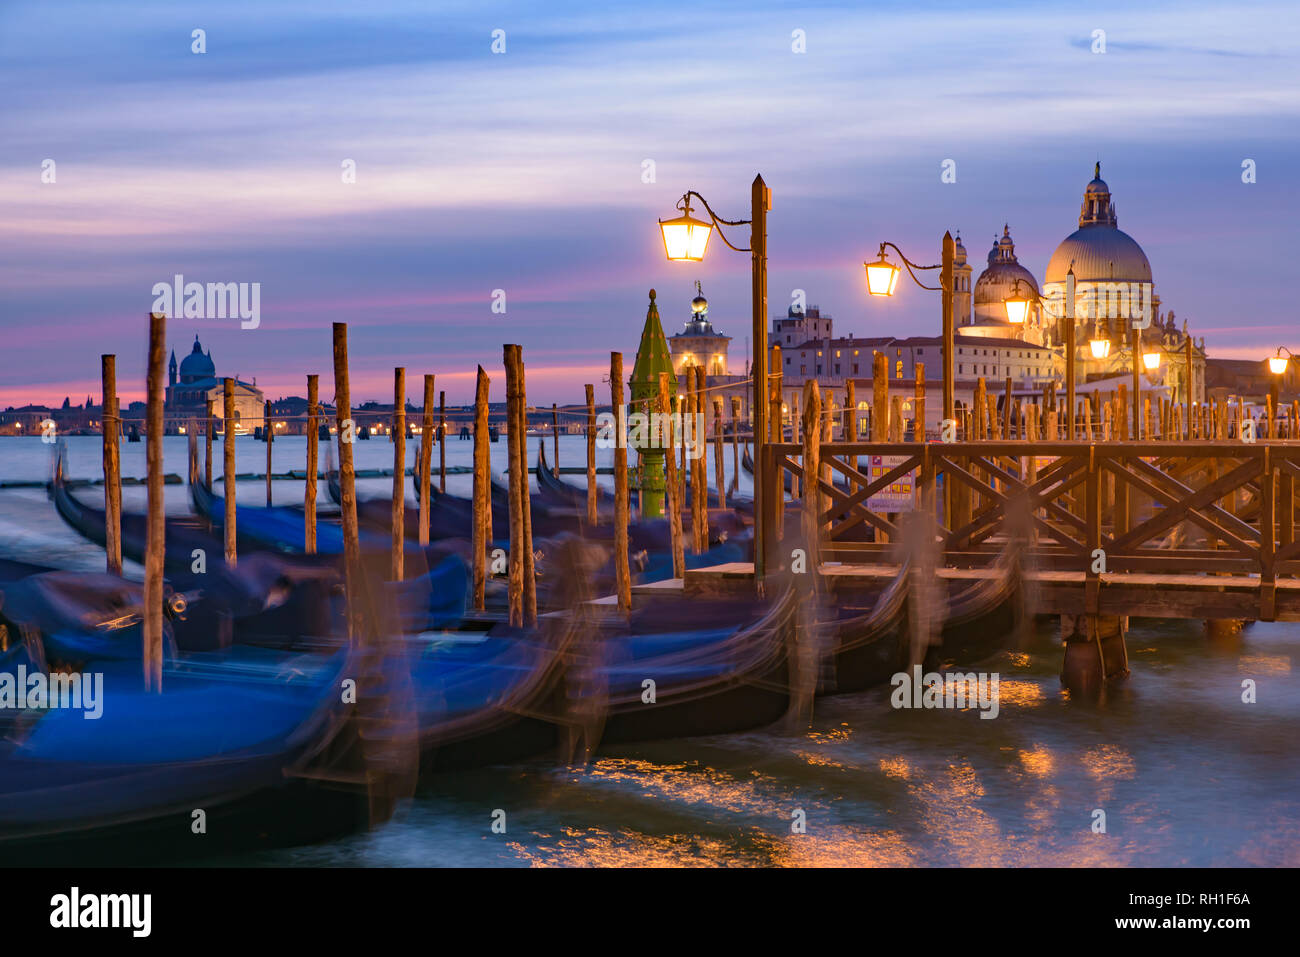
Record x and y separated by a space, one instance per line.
699 304
196 365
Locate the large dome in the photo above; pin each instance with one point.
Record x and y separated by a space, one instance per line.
998 281
196 365
1099 250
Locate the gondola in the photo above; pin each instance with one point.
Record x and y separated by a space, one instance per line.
713 673
231 738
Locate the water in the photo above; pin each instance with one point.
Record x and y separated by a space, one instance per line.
1185 772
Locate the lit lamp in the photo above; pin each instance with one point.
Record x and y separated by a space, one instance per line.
1100 348
1017 305
1277 364
685 238
1151 360
882 276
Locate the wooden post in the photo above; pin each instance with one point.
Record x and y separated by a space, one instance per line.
424 474
1006 410
518 475
110 426
313 451
442 441
268 432
555 438
347 480
879 398
719 473
208 422
155 547
673 505
812 498
228 471
700 466
850 411
592 513
482 490
978 407
530 573
794 437
622 571
398 565
735 438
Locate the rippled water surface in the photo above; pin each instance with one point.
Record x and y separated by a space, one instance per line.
1186 773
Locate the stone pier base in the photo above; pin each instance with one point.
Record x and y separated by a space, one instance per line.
1095 651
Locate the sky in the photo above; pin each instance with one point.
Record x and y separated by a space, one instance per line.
526 171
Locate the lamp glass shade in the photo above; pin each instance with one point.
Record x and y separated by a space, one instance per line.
1100 348
1151 360
882 277
1277 364
1017 309
685 238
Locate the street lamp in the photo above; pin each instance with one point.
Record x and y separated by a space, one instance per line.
1151 360
685 240
1100 347
882 280
1017 305
685 237
1277 364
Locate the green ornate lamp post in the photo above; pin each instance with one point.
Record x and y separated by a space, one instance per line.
652 358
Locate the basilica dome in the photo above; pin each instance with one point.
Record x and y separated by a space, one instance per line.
998 281
1098 250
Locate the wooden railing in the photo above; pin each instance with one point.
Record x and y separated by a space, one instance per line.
1180 508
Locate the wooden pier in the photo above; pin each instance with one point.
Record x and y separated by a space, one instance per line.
1172 529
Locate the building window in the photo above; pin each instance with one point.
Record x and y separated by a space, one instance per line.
837 368
855 368
961 368
898 369
787 360
803 370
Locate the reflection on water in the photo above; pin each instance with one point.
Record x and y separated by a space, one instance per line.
1186 772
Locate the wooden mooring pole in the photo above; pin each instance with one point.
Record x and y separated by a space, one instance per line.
209 421
812 497
424 472
155 547
591 454
442 441
347 480
518 474
719 476
268 433
555 438
482 490
398 564
313 454
622 570
111 428
673 505
700 465
228 466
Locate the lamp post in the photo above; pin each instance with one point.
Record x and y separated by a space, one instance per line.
882 279
1277 364
1017 305
685 240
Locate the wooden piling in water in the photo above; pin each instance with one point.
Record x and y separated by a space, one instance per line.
208 422
398 563
228 466
313 453
673 502
850 411
518 474
155 546
622 571
530 574
735 437
482 534
424 474
347 481
268 433
700 466
555 438
110 426
592 512
442 441
719 476
812 497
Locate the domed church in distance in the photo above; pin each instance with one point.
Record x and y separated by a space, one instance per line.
195 380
